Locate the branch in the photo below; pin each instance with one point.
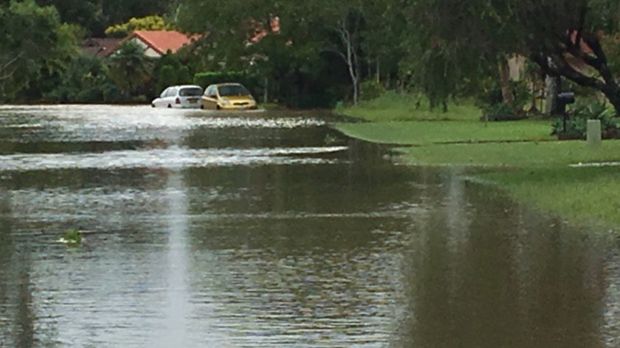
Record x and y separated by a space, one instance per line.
11 61
562 68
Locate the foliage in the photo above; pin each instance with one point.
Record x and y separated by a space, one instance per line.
577 124
560 36
144 23
72 237
371 89
97 15
85 81
494 108
85 13
392 106
311 53
33 46
171 70
131 70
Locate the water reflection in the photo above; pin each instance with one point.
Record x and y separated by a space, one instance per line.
177 308
522 281
313 242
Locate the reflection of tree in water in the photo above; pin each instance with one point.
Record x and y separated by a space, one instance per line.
612 310
521 283
17 319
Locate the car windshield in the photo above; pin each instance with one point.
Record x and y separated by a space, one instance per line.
233 90
190 92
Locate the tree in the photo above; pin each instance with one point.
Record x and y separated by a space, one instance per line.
568 41
563 37
86 13
97 15
143 23
318 36
130 69
33 45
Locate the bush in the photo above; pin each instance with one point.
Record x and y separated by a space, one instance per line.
371 89
501 112
577 122
492 104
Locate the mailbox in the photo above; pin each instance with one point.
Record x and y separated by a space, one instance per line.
564 99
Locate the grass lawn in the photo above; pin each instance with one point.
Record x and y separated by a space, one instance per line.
432 132
581 195
525 154
403 107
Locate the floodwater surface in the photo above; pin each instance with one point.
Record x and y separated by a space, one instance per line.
266 229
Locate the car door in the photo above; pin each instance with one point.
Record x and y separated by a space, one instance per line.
209 99
171 97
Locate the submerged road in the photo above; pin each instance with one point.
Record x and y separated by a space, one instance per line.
269 229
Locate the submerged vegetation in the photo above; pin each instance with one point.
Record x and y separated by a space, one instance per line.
72 237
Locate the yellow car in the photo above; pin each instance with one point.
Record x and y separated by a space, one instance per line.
228 96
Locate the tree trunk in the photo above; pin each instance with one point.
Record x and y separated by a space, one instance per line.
552 88
508 96
348 38
613 95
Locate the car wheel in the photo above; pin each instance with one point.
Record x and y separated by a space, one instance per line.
218 108
202 107
152 105
169 106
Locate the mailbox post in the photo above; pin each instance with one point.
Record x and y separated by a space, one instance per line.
564 99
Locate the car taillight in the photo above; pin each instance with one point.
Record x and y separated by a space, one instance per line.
178 101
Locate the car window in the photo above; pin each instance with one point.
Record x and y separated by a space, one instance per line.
232 91
172 92
190 92
164 93
210 91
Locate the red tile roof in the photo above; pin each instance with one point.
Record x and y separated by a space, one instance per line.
162 41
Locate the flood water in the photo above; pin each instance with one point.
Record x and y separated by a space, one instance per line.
270 230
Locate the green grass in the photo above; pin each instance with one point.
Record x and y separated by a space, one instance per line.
405 107
581 195
526 154
430 132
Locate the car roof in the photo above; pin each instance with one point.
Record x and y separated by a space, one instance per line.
226 84
188 86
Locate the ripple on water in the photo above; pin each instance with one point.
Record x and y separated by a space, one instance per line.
93 123
171 158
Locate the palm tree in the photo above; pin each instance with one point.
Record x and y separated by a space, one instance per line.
130 68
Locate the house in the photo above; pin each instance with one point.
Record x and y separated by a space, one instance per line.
100 47
156 43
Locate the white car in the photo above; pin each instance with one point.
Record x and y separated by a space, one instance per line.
186 97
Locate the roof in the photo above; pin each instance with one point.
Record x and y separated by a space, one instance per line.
163 41
100 47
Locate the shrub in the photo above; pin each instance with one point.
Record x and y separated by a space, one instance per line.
577 122
492 104
501 112
371 89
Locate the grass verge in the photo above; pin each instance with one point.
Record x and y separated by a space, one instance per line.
433 132
581 195
516 155
405 107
